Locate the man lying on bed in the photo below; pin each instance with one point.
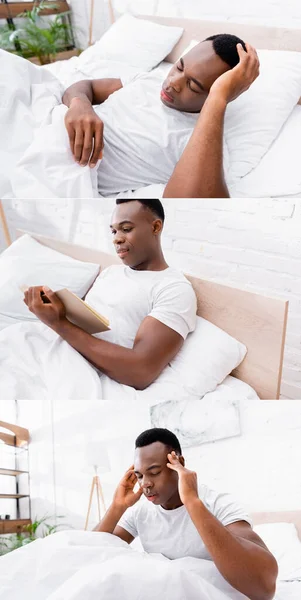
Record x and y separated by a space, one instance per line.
142 127
151 307
178 517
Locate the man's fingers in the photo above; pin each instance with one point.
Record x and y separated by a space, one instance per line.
88 145
71 134
78 144
139 492
173 461
98 145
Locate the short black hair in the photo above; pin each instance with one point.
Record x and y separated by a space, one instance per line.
224 45
155 206
159 434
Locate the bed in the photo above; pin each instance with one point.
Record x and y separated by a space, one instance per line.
94 559
256 321
260 152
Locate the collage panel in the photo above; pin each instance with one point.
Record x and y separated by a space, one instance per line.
126 502
194 300
149 385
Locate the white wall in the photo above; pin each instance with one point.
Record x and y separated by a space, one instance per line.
261 467
280 13
254 244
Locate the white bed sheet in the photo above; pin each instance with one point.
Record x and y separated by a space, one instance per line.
36 363
75 565
72 565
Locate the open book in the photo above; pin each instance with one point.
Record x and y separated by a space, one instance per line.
79 312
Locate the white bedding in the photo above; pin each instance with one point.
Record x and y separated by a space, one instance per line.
75 565
72 565
35 363
32 120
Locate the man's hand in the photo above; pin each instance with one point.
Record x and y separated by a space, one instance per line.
85 130
188 484
125 496
237 80
51 311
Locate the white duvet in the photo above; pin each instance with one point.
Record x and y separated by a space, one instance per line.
77 565
81 565
36 363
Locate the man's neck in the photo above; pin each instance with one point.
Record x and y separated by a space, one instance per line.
156 263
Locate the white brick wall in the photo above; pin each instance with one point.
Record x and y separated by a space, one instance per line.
254 244
280 13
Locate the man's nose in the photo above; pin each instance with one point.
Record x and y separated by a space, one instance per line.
175 81
119 238
146 483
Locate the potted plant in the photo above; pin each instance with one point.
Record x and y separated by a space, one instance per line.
38 37
28 534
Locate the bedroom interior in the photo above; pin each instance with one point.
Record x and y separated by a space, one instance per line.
65 437
244 255
271 128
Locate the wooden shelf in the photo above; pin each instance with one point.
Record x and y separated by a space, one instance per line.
15 496
13 525
13 9
13 472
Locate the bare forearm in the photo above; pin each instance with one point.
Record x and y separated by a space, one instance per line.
122 364
94 91
248 567
110 520
199 172
81 89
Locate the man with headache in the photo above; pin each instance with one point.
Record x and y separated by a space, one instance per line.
175 515
162 127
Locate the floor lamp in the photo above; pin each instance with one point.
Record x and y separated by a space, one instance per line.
4 225
111 13
97 458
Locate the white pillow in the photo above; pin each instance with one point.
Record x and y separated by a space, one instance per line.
207 356
137 42
283 541
254 119
278 173
27 262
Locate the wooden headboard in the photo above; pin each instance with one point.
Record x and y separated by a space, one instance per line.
293 516
257 321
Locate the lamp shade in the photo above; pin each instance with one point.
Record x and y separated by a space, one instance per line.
97 458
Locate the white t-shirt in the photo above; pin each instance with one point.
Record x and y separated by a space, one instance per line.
172 532
143 138
126 297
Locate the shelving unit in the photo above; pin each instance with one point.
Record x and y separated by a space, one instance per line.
18 440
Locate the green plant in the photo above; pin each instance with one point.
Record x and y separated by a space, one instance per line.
38 37
28 534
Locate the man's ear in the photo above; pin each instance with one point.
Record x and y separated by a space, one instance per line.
157 227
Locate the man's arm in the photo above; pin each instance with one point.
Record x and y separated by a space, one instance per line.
154 347
238 553
84 127
199 172
95 91
124 498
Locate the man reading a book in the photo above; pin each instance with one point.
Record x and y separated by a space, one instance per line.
151 306
174 515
